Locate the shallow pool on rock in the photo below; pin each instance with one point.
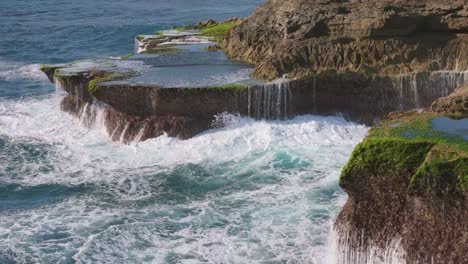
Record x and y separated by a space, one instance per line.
451 126
177 66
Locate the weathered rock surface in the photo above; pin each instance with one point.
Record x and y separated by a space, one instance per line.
136 112
302 37
408 190
455 105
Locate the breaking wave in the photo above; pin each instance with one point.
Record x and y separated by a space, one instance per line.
11 71
250 192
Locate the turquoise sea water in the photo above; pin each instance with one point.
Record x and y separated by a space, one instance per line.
252 192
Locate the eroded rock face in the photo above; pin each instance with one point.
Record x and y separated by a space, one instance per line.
298 38
130 112
136 112
455 105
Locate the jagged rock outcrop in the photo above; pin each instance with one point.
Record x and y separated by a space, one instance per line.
299 38
455 105
408 189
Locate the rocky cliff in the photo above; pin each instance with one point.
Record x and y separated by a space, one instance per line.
362 59
299 38
407 181
408 189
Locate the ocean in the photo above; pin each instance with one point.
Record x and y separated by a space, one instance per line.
254 191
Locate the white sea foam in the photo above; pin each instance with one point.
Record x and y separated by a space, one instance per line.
250 192
12 71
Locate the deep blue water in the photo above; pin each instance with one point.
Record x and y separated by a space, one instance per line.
57 31
252 192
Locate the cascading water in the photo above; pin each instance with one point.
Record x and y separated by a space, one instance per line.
270 101
342 251
420 89
444 82
414 88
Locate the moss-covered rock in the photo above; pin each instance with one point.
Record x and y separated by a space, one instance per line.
99 77
437 161
49 70
408 182
216 31
440 177
219 31
383 156
161 50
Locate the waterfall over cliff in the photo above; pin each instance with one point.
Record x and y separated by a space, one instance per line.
419 89
270 101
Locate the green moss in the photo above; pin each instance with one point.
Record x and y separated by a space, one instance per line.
386 155
417 127
219 31
140 37
408 145
66 76
440 177
161 51
97 77
178 29
231 86
100 77
49 70
131 54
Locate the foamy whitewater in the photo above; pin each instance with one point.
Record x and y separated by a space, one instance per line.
250 192
253 191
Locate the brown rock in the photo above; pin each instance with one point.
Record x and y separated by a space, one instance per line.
302 36
455 105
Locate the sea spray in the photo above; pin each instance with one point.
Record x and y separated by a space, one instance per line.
248 192
351 249
14 71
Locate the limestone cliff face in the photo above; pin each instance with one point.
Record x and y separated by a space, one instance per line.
298 38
